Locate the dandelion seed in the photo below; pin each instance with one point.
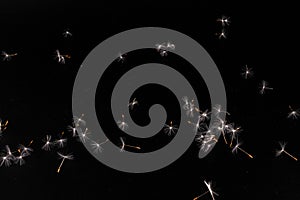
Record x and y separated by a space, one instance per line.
72 128
9 154
170 46
7 57
83 135
237 147
204 115
61 58
20 159
282 150
163 53
205 138
48 143
207 142
294 114
247 72
264 86
6 161
222 127
25 151
122 149
224 20
61 142
228 127
67 34
123 145
122 124
222 34
78 121
98 146
160 47
208 185
234 132
217 110
63 157
3 126
170 129
191 109
164 48
186 103
121 57
133 103
204 133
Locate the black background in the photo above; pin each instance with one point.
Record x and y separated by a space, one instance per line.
36 98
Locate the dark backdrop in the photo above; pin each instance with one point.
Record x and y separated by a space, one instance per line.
36 98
